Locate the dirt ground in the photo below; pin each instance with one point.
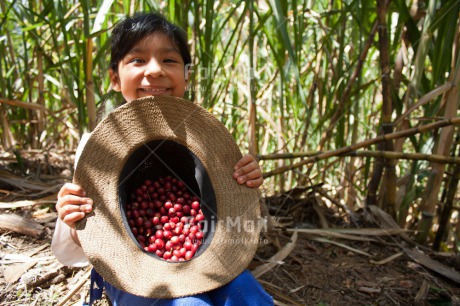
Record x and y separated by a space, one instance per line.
313 255
319 274
371 265
314 273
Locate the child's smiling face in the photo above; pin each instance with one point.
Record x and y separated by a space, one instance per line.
153 67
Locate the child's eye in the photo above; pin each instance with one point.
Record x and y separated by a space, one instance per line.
169 60
136 60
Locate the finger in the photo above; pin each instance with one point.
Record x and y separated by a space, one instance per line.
72 210
246 169
255 183
253 174
71 188
71 218
246 159
72 199
246 178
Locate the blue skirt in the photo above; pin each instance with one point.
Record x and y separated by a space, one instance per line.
244 290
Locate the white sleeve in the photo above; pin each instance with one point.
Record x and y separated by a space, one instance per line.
81 145
64 248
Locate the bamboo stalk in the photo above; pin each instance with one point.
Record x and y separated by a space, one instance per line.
26 105
287 155
41 92
366 143
430 198
447 209
374 154
311 95
253 143
8 140
11 48
90 100
281 144
388 188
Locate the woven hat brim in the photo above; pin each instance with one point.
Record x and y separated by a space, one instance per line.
106 240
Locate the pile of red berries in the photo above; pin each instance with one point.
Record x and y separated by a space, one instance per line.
165 218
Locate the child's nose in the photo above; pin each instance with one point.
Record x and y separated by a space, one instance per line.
153 69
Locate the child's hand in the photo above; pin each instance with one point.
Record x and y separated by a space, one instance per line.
72 205
247 171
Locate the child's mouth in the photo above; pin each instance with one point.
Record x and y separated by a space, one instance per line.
154 91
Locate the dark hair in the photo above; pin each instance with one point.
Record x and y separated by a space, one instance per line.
133 29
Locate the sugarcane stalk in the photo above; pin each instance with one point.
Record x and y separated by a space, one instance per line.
447 209
253 144
366 143
430 198
384 166
90 99
41 92
376 154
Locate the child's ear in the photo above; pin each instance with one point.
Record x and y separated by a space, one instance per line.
187 78
114 80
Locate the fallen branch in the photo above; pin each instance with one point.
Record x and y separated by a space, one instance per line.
25 203
20 182
9 259
387 222
387 260
55 280
366 143
76 288
15 270
433 265
21 225
277 258
370 231
327 233
37 281
342 246
369 290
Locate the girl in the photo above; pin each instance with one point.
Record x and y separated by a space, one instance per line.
149 58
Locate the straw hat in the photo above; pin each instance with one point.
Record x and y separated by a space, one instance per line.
154 136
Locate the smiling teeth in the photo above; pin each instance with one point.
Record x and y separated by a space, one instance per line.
153 89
